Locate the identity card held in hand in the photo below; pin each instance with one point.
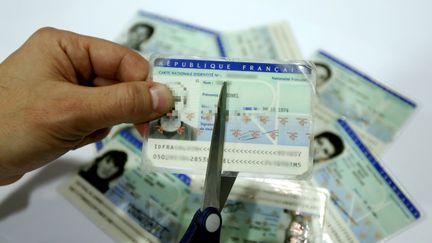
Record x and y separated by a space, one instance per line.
268 128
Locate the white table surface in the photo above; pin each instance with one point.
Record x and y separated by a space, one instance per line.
389 40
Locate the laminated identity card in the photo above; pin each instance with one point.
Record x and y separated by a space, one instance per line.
376 112
272 41
269 126
150 33
127 202
263 211
366 203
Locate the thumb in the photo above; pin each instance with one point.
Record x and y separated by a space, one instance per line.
125 102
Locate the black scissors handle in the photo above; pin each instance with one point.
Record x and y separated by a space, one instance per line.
204 227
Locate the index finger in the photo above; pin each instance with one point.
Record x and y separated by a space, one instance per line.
94 57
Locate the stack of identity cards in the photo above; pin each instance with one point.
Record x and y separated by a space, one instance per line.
306 137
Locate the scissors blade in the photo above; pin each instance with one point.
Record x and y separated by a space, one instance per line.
227 183
212 181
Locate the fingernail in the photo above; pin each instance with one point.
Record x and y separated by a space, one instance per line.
161 98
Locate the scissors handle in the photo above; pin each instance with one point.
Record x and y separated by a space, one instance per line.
204 227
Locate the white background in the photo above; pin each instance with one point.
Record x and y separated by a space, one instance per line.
389 40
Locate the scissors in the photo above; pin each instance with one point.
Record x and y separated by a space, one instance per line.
207 221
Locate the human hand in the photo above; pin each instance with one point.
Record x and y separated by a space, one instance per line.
60 91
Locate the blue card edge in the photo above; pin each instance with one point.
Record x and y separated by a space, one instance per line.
369 79
187 25
380 169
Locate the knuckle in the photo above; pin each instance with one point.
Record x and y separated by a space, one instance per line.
50 35
45 31
44 36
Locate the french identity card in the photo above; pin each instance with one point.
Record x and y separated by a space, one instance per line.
269 126
150 33
376 112
367 203
127 202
